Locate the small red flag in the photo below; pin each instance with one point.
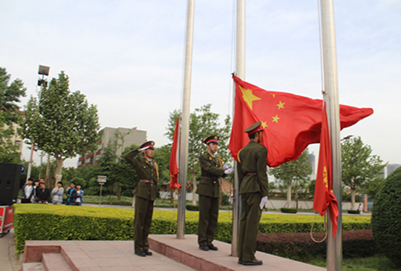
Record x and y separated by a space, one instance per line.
173 158
324 196
290 122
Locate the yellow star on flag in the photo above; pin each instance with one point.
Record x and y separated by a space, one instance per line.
275 119
264 125
274 95
280 105
248 96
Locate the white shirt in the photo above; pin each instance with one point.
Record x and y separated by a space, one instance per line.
28 190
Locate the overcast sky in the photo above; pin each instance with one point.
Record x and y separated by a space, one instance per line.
127 57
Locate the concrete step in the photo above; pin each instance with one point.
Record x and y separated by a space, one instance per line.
36 266
55 261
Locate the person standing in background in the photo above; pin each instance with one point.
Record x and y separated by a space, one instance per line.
71 194
27 191
57 193
80 195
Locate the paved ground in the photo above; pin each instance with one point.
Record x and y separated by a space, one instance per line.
8 259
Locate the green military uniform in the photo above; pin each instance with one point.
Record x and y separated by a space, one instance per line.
253 185
145 195
209 194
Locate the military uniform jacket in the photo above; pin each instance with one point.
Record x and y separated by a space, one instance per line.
212 169
252 159
146 170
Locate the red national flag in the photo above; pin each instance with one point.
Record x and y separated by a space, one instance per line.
173 158
290 122
324 196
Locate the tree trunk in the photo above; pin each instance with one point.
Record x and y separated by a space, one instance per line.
194 188
57 170
352 198
289 194
118 192
47 177
296 195
172 196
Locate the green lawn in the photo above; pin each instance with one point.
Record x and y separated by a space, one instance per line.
375 263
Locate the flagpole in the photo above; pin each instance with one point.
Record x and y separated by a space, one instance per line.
334 245
185 122
240 72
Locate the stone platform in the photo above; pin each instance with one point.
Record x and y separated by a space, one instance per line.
170 253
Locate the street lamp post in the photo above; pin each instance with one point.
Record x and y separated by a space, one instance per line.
44 71
101 179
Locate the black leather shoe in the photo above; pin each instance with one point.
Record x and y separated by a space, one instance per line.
212 247
254 262
148 253
204 248
141 254
240 261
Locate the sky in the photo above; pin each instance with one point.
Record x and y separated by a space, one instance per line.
127 57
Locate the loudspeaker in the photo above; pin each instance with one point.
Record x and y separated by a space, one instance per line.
10 175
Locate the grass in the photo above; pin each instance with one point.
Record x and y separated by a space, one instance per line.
378 262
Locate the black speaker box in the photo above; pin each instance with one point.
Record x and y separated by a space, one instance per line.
10 175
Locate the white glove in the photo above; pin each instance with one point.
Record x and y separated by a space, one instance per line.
263 202
144 149
225 166
228 171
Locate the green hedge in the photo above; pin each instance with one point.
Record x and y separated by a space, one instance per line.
300 246
289 210
192 207
386 217
60 222
355 212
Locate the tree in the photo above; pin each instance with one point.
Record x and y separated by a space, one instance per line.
9 152
10 116
359 166
10 95
202 124
61 123
296 170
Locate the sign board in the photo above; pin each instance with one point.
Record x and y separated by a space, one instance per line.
23 170
101 179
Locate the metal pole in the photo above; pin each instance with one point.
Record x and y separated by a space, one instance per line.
240 72
185 121
334 246
100 198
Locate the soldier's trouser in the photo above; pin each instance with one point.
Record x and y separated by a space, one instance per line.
248 227
142 221
208 214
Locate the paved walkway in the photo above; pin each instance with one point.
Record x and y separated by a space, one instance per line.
8 260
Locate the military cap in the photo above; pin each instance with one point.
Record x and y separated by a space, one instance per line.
254 128
149 144
212 139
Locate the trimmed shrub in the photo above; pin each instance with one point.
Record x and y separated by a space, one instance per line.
386 217
300 246
60 222
192 207
289 210
355 212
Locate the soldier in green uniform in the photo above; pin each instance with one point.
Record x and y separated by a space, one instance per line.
212 169
145 194
253 188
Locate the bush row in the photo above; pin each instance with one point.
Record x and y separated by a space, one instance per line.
57 222
300 246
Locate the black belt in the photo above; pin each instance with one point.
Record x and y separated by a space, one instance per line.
251 173
209 178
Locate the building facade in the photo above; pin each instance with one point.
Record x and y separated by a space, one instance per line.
123 137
